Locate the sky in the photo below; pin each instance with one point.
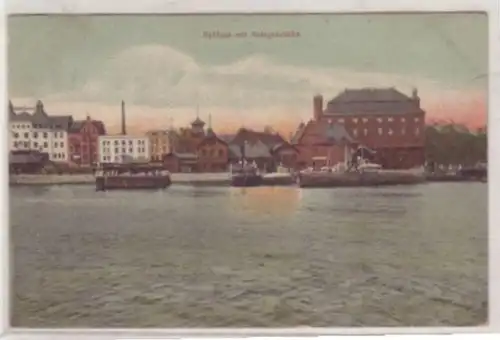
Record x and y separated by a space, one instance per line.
168 69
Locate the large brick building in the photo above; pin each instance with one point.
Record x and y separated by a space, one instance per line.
83 138
382 119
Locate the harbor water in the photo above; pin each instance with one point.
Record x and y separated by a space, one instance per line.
249 257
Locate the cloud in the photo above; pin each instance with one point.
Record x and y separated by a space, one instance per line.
255 90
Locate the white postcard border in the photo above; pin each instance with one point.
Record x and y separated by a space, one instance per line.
265 6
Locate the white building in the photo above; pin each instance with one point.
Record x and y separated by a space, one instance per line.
124 149
39 132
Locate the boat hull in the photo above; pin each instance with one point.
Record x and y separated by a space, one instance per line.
357 179
104 183
246 180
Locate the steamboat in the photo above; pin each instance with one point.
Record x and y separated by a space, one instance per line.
246 174
361 172
111 176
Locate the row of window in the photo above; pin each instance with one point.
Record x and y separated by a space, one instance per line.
124 142
58 156
45 145
45 135
381 132
378 119
130 150
212 153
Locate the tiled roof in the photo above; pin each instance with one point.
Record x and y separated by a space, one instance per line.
251 150
77 125
372 101
268 139
42 119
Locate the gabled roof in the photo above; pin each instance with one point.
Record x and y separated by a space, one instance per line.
268 139
77 126
251 150
373 101
336 133
211 138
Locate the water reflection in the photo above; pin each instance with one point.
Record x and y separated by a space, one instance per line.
276 201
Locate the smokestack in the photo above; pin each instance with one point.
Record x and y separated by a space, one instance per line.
124 123
318 107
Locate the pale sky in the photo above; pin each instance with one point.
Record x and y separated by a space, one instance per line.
163 67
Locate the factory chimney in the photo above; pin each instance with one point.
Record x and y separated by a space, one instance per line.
124 123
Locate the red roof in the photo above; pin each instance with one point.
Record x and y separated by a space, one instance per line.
269 139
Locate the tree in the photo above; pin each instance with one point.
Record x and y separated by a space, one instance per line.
454 144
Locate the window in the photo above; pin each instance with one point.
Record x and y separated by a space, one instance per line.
54 156
26 144
45 145
124 150
131 150
123 142
116 142
365 120
35 134
61 144
16 135
35 144
15 144
355 132
403 120
390 132
365 132
403 131
379 120
380 132
390 119
416 119
130 142
355 120
26 135
340 120
56 144
45 135
417 131
117 150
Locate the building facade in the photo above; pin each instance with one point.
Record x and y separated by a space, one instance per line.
40 131
162 142
123 149
384 120
268 149
213 154
83 138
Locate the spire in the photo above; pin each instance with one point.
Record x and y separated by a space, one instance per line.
209 120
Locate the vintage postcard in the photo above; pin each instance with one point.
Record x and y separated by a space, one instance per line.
180 171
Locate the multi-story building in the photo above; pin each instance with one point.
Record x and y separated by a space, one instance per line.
382 119
39 132
124 149
162 142
83 139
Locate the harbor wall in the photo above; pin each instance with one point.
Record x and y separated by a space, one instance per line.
208 179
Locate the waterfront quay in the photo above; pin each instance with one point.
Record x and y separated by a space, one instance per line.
208 179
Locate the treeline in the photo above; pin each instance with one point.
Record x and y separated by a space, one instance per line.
456 144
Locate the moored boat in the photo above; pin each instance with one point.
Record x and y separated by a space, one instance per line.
366 174
131 176
245 175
